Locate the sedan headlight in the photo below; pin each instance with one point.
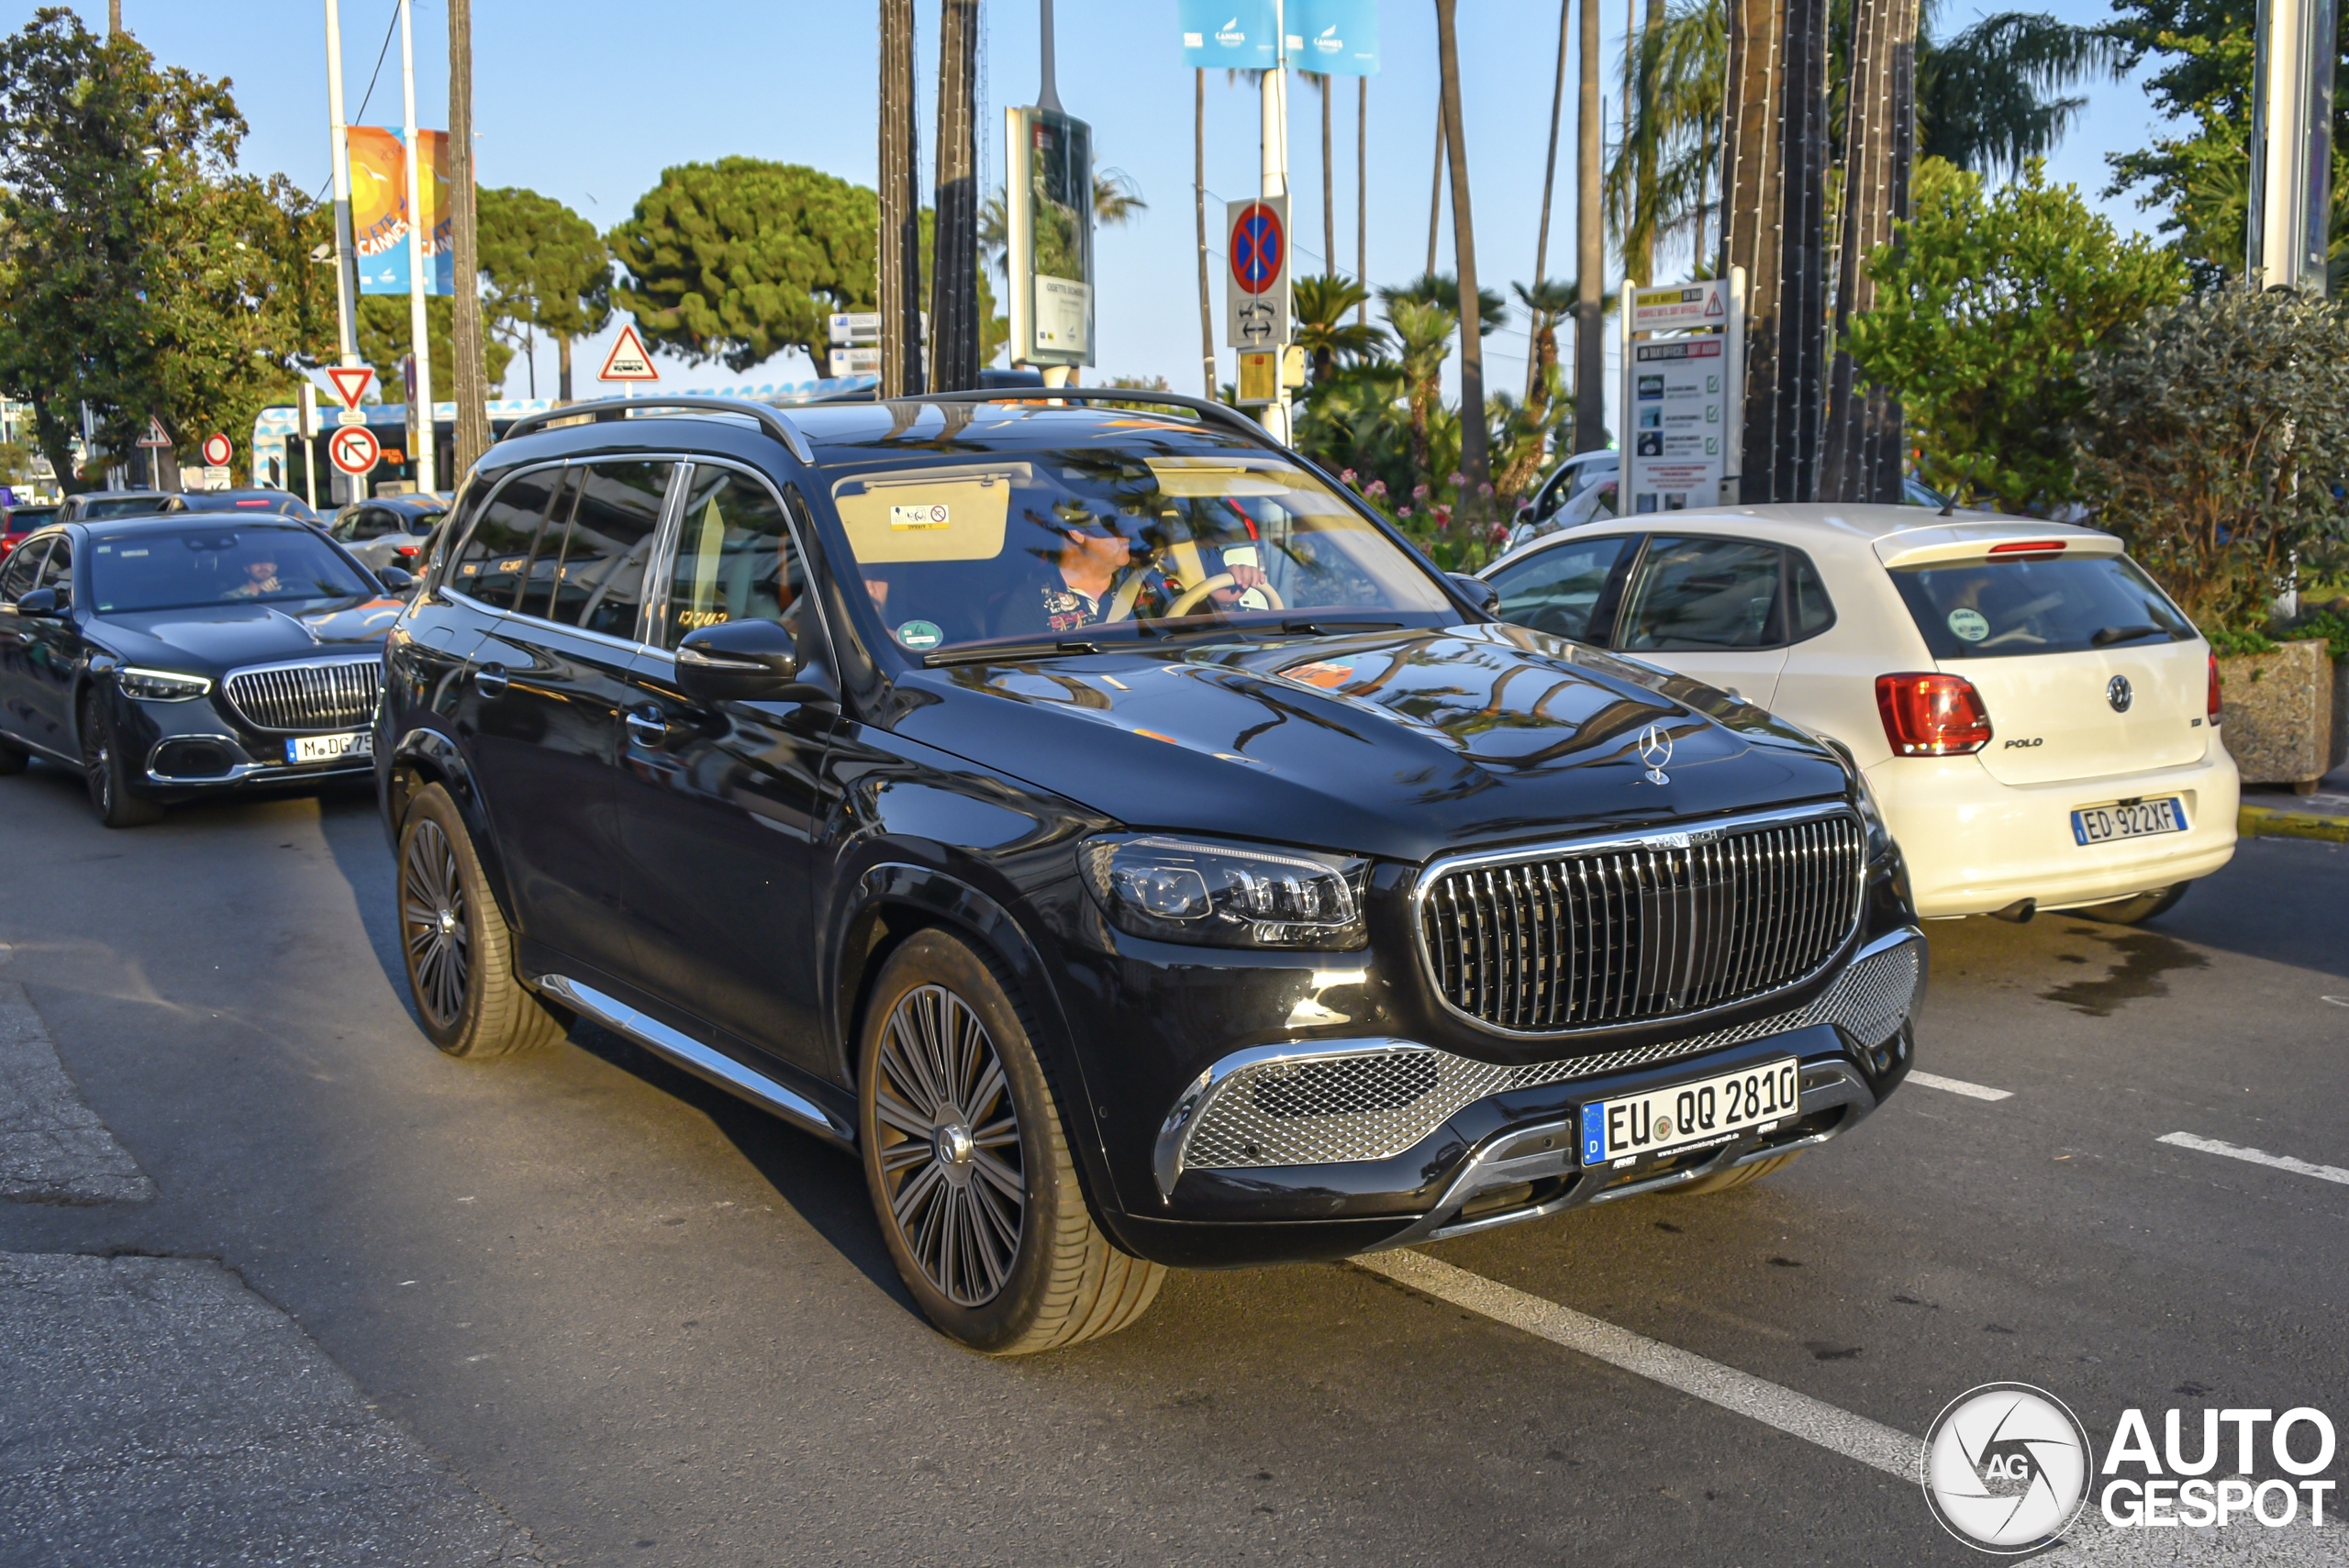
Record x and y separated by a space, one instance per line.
161 686
1229 896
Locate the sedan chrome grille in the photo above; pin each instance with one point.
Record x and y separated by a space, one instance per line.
327 694
1651 928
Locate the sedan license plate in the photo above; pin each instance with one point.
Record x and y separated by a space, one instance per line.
2136 820
1710 1110
331 747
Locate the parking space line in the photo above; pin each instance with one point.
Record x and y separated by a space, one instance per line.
1855 1437
2256 1156
1958 1086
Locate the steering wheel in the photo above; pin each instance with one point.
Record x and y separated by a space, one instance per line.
1191 598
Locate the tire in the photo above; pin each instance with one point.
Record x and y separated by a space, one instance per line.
105 774
980 1159
2136 911
455 943
1737 1178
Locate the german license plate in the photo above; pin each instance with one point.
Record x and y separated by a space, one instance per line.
331 747
2137 819
1710 1110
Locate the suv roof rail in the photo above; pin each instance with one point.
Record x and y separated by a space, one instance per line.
605 409
1221 413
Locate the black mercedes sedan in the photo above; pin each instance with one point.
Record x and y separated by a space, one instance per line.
1111 831
183 655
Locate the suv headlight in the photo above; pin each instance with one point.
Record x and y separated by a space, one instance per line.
1229 896
159 685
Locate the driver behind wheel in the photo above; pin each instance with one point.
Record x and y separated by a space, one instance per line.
1102 571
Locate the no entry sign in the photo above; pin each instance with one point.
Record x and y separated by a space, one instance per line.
354 450
217 450
1256 280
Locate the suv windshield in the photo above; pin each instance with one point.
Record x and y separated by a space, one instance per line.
1059 544
2024 604
217 565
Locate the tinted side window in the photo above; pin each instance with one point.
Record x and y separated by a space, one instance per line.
495 559
1695 593
597 581
23 565
373 522
1813 611
734 558
57 572
1557 589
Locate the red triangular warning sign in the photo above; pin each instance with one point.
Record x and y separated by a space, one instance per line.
628 360
154 436
1713 305
350 383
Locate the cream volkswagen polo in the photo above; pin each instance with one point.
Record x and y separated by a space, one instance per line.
2038 721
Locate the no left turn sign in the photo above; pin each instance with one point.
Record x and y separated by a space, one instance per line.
354 449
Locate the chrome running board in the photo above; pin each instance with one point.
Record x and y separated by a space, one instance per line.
698 1058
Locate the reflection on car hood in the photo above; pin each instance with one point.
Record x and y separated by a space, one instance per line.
1399 743
211 639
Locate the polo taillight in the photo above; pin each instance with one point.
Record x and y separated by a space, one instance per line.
2214 691
1931 714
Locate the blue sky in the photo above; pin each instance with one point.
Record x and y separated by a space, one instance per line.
589 100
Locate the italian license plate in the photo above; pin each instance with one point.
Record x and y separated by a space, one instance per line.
331 747
1710 1110
2137 819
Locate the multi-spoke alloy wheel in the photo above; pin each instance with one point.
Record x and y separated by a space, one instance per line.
950 1145
969 1168
459 951
432 924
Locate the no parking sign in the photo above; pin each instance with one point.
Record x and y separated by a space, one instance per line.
1256 277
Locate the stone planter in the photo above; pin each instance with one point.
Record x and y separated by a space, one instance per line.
2283 722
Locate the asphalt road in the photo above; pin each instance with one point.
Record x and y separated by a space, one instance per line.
653 1326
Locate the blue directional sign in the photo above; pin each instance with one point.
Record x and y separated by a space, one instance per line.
1335 38
1236 34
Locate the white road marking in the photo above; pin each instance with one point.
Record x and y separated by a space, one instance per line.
2092 1542
1958 1086
1855 1437
2336 1001
2256 1156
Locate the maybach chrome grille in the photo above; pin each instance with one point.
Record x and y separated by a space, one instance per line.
336 695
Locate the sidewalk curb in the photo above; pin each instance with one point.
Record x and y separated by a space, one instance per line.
2266 822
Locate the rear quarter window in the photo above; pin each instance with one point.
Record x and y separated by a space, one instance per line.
1993 610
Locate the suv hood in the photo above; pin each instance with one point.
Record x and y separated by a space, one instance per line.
1401 744
211 639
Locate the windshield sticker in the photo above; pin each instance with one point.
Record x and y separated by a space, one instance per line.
1327 676
920 634
930 516
1969 625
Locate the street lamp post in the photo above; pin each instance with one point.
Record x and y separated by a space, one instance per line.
422 441
1273 183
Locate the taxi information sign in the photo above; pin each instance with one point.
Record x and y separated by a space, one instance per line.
1682 373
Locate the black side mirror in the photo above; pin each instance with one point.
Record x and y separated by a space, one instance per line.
397 580
1481 595
41 602
738 660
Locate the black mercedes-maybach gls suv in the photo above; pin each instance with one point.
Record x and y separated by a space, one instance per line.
170 657
1111 829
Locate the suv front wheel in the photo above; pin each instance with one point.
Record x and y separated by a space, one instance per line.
969 1169
458 949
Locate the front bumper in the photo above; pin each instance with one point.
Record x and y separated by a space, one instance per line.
185 750
1342 1146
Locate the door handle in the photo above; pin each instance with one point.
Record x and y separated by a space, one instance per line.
491 680
647 730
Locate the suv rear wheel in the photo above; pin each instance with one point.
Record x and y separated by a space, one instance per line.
969 1169
459 951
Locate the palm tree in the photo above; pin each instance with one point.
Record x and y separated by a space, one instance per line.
1115 202
1661 183
1590 248
1546 304
1984 99
1424 329
1475 451
1443 289
1318 309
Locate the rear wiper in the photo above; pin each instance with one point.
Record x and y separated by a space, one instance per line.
1005 652
2112 634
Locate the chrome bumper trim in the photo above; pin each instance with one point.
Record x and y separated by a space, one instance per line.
698 1058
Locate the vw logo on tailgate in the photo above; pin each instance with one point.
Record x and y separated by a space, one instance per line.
2117 693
